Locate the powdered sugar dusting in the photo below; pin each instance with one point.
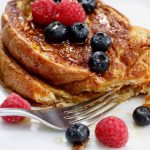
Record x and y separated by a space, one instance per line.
103 21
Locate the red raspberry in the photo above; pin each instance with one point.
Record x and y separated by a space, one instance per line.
70 13
14 101
112 131
44 11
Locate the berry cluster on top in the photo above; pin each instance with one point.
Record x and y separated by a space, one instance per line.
64 20
66 12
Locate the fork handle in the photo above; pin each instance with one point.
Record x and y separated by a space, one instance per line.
25 113
15 112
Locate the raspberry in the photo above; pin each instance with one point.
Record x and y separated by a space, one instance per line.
14 101
44 11
112 131
70 12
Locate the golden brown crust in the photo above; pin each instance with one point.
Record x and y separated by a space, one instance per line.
20 81
29 86
27 53
134 68
58 63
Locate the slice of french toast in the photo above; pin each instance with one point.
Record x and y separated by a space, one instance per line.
18 80
62 63
66 64
130 66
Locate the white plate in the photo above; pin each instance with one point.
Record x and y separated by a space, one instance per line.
34 136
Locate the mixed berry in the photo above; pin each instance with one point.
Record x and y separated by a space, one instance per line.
44 11
66 12
77 133
112 132
57 1
56 32
70 13
88 5
141 116
99 62
78 33
64 20
14 101
100 42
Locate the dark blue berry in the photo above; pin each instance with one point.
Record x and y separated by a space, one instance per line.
57 1
141 116
78 33
77 133
100 42
55 32
88 5
99 62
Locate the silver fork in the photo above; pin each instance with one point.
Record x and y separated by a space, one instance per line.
60 118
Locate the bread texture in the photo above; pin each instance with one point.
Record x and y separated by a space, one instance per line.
19 80
16 78
64 67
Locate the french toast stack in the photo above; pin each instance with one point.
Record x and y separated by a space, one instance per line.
59 75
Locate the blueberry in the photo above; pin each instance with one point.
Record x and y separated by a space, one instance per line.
77 133
100 42
88 5
141 116
78 33
55 32
99 62
57 1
